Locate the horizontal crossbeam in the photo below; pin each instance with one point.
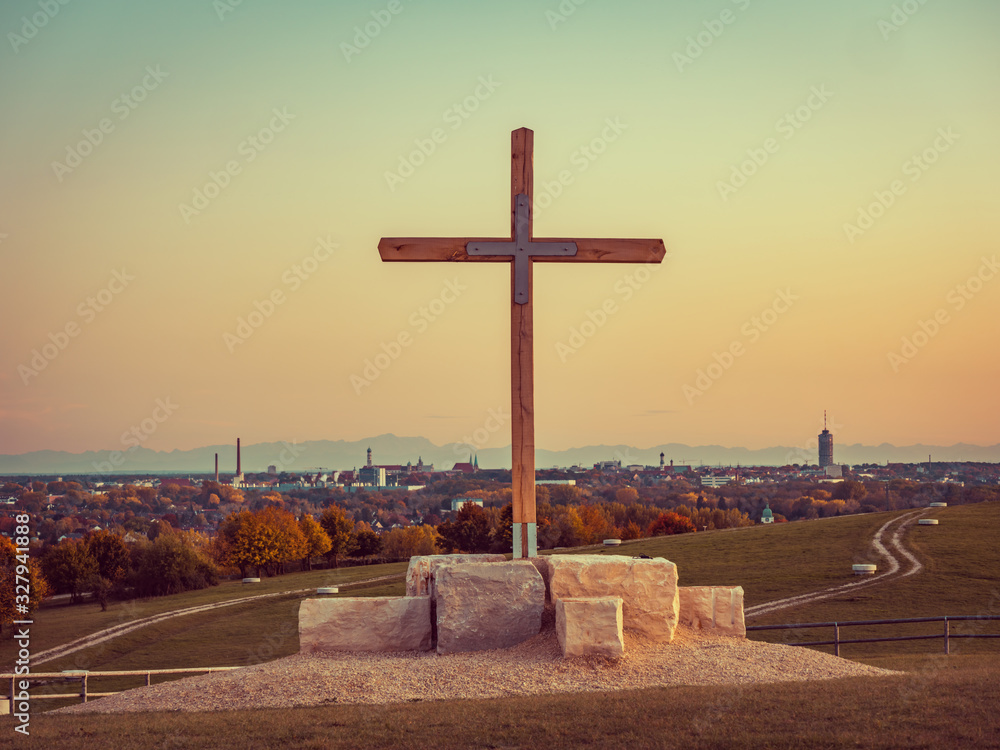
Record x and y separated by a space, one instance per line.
453 249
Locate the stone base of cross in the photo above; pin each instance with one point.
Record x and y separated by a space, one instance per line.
521 250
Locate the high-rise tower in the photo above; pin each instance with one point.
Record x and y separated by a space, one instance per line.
825 446
369 456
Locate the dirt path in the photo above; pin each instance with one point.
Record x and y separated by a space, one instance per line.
107 634
891 551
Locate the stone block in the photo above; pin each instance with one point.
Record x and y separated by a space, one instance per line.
483 605
590 627
420 573
648 588
714 608
394 623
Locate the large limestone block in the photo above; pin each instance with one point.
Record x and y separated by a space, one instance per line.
590 627
420 573
716 608
482 606
648 588
365 624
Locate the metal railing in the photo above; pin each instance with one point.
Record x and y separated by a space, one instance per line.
946 633
82 675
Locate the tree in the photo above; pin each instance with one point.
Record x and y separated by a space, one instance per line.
68 567
317 540
170 565
671 523
110 553
402 544
368 544
290 541
340 529
243 541
12 566
469 532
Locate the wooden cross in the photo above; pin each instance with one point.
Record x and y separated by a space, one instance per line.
521 250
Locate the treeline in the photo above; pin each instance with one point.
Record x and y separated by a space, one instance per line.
107 567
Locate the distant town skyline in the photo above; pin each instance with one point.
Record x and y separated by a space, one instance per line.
192 197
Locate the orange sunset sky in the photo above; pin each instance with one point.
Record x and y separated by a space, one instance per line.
824 177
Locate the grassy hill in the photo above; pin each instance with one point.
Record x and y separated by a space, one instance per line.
944 701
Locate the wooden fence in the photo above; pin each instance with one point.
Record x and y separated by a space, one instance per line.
944 634
82 675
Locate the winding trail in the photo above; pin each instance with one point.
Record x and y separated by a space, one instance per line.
100 636
891 552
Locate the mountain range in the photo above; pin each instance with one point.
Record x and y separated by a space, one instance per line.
391 449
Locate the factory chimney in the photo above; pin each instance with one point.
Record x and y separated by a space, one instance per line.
238 469
216 468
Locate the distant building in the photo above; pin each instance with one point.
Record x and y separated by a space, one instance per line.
272 469
834 471
709 481
373 476
825 446
767 516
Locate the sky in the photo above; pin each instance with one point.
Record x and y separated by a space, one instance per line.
192 195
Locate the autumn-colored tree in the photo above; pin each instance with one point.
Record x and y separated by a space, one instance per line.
245 542
340 529
317 540
404 543
627 495
291 542
671 523
19 570
68 567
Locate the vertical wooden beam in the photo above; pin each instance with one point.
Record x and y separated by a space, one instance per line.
522 363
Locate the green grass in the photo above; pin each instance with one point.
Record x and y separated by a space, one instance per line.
63 622
962 576
933 707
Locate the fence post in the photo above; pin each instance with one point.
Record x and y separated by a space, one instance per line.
147 679
83 687
947 633
836 638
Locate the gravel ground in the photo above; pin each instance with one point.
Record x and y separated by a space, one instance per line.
535 666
